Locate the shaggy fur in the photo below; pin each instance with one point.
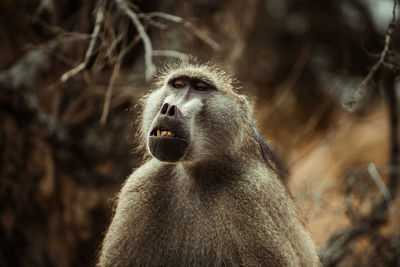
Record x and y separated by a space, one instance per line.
223 204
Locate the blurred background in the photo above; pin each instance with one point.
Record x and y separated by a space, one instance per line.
73 72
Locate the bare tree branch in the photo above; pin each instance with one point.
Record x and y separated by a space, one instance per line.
171 53
148 48
359 94
374 174
186 24
89 51
109 92
113 46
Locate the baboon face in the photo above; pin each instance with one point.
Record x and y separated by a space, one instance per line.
190 117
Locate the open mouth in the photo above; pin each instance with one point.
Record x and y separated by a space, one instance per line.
169 139
166 145
162 132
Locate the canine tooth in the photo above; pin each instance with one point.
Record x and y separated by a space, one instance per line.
158 132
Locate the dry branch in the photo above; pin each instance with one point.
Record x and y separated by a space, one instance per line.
374 174
148 48
113 34
89 51
109 92
362 88
186 24
171 53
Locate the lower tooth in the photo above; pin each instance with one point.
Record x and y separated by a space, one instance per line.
164 133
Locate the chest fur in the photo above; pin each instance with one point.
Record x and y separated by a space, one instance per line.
187 226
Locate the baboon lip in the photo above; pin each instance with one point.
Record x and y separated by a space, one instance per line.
168 148
154 137
169 138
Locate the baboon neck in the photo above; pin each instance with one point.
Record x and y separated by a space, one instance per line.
216 170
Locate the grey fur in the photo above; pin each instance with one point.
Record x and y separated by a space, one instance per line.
221 205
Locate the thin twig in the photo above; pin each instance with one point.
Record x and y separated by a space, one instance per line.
171 53
89 51
386 194
204 37
111 85
148 48
125 50
361 91
374 174
109 92
165 16
112 47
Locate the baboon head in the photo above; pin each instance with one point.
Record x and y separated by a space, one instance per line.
195 114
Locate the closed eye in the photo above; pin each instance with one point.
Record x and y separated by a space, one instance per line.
178 84
202 86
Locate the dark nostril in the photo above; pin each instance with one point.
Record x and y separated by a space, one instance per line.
171 111
164 108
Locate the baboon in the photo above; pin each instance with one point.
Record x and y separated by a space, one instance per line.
211 192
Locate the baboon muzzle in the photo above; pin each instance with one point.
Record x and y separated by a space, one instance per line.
169 138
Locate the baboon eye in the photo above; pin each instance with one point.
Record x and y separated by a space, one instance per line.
178 84
202 86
